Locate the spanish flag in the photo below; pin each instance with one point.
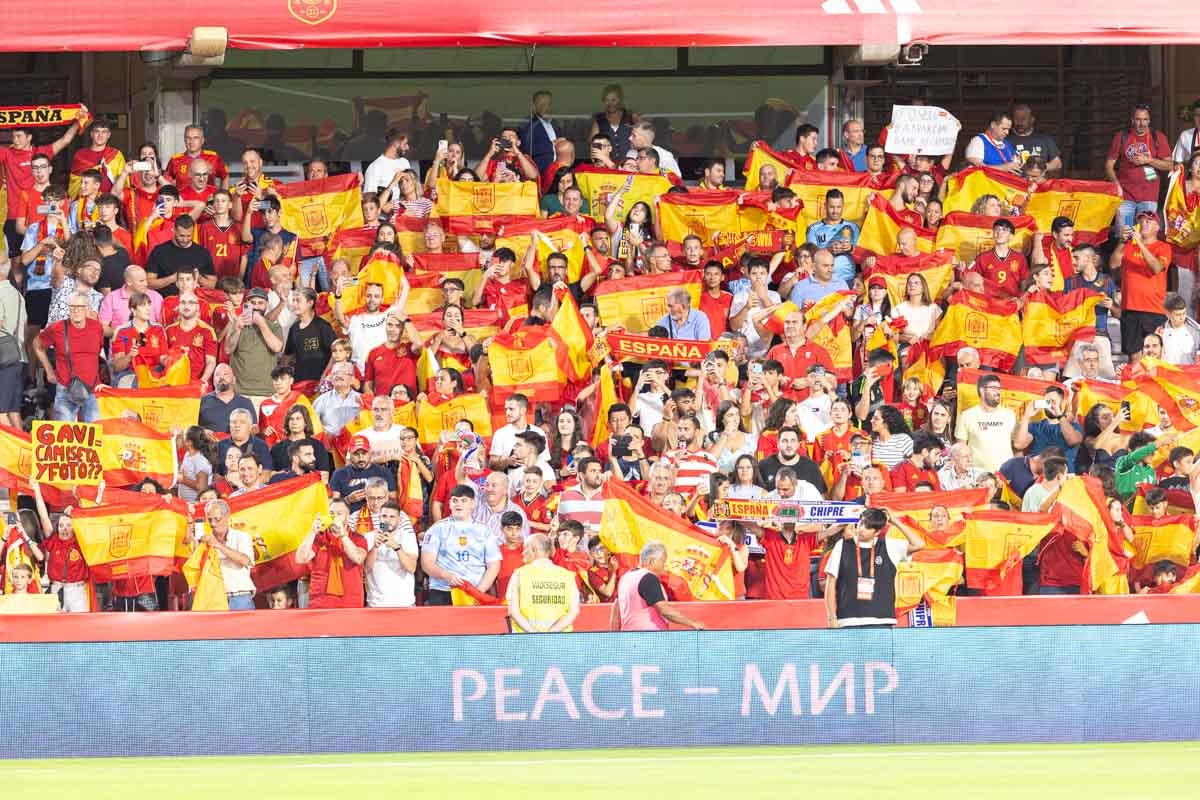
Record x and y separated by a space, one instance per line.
1143 411
474 207
479 322
279 516
128 540
988 324
425 295
880 229
162 409
774 323
277 418
404 415
1055 321
965 187
995 542
1179 501
702 213
921 364
608 397
937 268
133 450
177 372
599 185
575 336
463 266
202 570
16 465
559 234
785 164
433 418
1189 583
968 235
528 360
930 575
1183 220
316 210
1083 512
638 303
15 553
352 245
1174 389
1091 205
834 336
857 189
629 521
1016 391
1170 538
383 269
760 229
917 505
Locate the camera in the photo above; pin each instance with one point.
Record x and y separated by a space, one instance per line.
505 144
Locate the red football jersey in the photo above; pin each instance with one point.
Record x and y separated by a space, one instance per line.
177 167
1003 275
225 246
199 342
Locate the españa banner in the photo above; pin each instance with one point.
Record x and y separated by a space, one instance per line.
1090 205
629 521
638 303
626 346
1170 538
433 418
1083 511
560 234
967 186
795 512
316 210
937 268
473 207
1055 321
994 544
857 189
968 235
917 505
599 185
700 213
47 116
278 517
128 540
66 453
988 324
1143 411
930 575
881 228
162 409
1016 391
1182 220
529 360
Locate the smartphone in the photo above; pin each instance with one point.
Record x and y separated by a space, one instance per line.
247 308
570 460
1125 407
443 146
1039 405
756 369
505 144
859 459
140 166
44 209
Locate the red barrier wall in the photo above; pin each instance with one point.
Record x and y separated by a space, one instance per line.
434 621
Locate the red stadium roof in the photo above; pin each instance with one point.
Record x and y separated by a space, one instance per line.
285 24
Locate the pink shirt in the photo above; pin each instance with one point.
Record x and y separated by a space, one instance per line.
636 613
114 308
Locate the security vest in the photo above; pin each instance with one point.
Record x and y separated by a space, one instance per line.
543 593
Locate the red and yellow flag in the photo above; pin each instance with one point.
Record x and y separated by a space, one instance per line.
930 575
404 415
559 234
474 207
857 189
1171 538
44 116
921 364
638 303
352 246
316 210
880 229
528 360
575 336
965 187
202 571
917 505
383 269
177 372
433 418
937 268
479 322
995 542
1016 391
785 164
162 409
608 396
1179 501
128 540
599 185
1091 205
1083 512
988 324
1175 390
968 235
834 336
1183 220
464 266
278 517
1054 321
629 521
1143 411
133 450
702 213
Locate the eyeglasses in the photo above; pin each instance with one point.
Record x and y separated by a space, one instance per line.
78 308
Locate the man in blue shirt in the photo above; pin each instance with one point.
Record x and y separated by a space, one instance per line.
458 550
1057 430
350 482
836 235
820 284
684 322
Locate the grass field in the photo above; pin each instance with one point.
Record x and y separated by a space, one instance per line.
1092 771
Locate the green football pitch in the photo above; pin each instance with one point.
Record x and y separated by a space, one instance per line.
1092 771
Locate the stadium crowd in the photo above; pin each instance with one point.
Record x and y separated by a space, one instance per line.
816 343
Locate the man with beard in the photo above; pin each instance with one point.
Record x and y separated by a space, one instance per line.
191 335
217 406
920 467
391 560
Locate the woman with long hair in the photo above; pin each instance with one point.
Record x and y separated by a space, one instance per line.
918 310
298 427
783 413
933 214
868 316
940 422
446 164
552 202
988 205
451 346
746 480
408 198
631 236
565 433
892 442
732 440
196 466
1102 438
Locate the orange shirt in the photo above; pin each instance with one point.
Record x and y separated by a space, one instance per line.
1141 289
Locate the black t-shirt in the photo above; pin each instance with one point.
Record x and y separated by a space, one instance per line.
312 345
171 259
112 270
281 460
1034 145
651 590
806 470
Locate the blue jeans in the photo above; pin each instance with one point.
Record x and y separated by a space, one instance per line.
66 411
241 602
306 268
1128 211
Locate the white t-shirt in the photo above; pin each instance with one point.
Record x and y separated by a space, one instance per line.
286 316
666 160
381 172
192 465
756 346
1179 344
386 442
505 439
650 411
366 331
237 579
516 476
988 434
389 584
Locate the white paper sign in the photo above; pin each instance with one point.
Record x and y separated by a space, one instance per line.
927 130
